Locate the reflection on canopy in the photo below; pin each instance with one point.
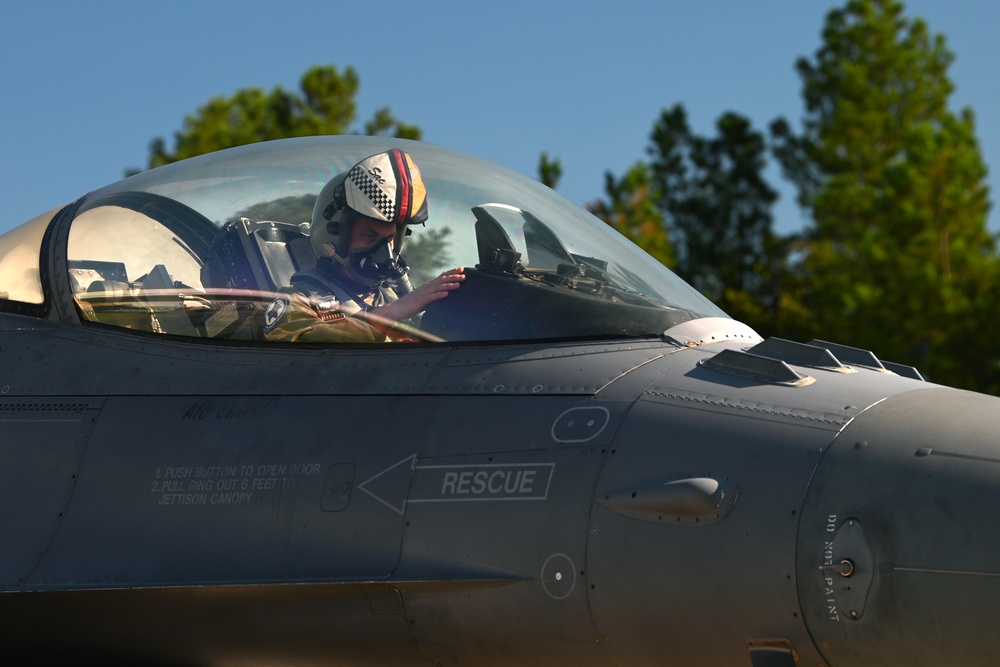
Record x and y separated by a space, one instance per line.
200 248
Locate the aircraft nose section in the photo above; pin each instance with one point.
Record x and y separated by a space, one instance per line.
899 545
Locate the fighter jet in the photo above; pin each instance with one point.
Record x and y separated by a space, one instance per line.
572 458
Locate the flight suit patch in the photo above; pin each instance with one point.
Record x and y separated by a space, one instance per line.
275 311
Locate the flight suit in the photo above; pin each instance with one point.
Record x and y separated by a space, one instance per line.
321 307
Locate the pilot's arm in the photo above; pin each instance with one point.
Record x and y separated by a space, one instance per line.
294 317
414 302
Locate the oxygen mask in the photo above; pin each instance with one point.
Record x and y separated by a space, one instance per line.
375 265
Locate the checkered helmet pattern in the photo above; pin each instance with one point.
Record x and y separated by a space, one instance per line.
388 187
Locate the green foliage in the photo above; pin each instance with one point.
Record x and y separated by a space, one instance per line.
703 208
383 125
632 210
898 258
294 209
325 106
549 170
718 209
426 252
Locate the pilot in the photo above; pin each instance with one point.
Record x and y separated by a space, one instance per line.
359 285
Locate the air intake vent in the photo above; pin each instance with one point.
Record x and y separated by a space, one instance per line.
857 357
799 354
755 367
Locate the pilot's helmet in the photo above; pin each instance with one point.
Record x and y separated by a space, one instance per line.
386 186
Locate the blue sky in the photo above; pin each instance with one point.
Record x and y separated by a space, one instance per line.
87 86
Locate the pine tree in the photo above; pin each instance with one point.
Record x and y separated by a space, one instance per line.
898 258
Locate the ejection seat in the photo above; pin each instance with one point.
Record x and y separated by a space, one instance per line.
249 260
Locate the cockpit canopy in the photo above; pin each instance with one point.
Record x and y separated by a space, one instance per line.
199 248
